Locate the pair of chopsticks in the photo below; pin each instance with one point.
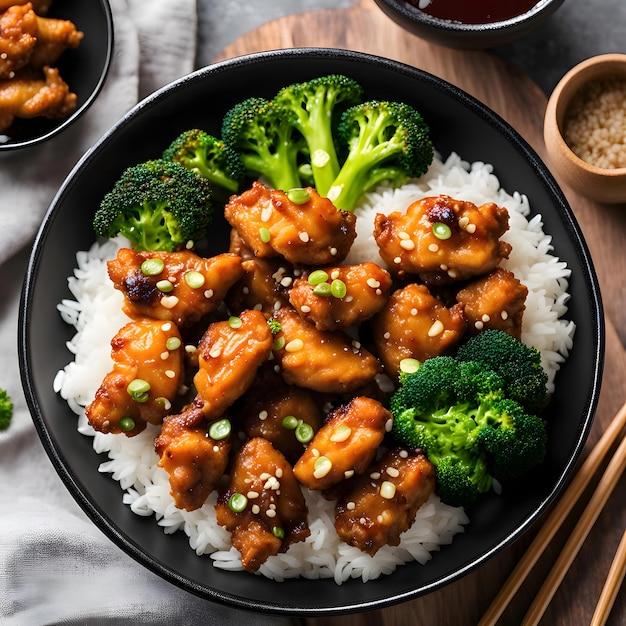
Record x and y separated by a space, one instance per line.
575 489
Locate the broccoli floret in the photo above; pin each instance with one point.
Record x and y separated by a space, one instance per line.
269 146
313 108
210 157
519 365
157 205
6 410
382 141
459 414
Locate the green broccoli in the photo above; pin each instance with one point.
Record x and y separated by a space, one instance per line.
157 205
313 110
519 366
459 414
269 146
382 141
6 410
210 157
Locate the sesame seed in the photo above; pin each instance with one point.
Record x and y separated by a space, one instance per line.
362 520
295 345
245 290
266 213
315 452
166 327
348 299
463 221
403 454
256 509
504 315
387 490
263 415
373 283
169 302
407 244
252 495
414 311
452 273
215 351
387 335
350 506
436 329
334 274
333 251
165 355
397 260
471 228
375 475
286 282
443 267
393 472
305 308
170 373
485 318
209 293
304 237
433 247
388 425
279 472
348 474
478 325
404 235
379 519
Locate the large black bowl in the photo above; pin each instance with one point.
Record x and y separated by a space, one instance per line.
459 123
84 69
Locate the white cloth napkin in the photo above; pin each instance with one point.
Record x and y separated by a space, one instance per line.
55 565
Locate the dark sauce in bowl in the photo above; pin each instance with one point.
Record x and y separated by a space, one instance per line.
474 11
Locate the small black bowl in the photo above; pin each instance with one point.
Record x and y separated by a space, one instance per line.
467 36
84 69
458 123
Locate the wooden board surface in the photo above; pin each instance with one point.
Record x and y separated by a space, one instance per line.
511 94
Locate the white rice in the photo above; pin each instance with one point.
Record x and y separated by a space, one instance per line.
96 314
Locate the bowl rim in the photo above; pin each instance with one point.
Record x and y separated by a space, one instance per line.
417 16
59 128
273 606
567 87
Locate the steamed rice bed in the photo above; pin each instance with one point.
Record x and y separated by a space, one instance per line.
97 316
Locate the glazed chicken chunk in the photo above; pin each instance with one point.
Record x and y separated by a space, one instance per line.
324 361
148 371
382 503
443 240
341 296
285 415
414 324
178 286
31 95
345 445
195 454
497 300
312 232
229 354
263 506
39 6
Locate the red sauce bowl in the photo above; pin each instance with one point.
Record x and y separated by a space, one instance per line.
470 25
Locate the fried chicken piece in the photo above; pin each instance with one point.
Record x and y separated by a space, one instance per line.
229 355
18 38
27 96
148 370
324 361
345 445
39 6
366 287
26 39
285 415
194 460
54 37
382 503
443 240
497 300
415 324
274 514
178 286
309 233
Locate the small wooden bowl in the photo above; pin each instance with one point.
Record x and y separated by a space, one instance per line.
606 185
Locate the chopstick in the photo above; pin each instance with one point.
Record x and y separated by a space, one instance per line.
554 521
611 586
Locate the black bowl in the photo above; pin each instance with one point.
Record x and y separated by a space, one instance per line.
467 36
459 123
84 69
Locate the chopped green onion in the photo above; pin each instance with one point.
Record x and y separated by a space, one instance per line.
152 267
237 502
126 424
317 277
235 322
304 432
409 365
290 422
298 195
194 279
279 344
220 429
173 343
264 234
277 531
138 390
323 289
338 288
441 230
165 286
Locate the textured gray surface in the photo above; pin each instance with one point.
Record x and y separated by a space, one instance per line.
579 29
